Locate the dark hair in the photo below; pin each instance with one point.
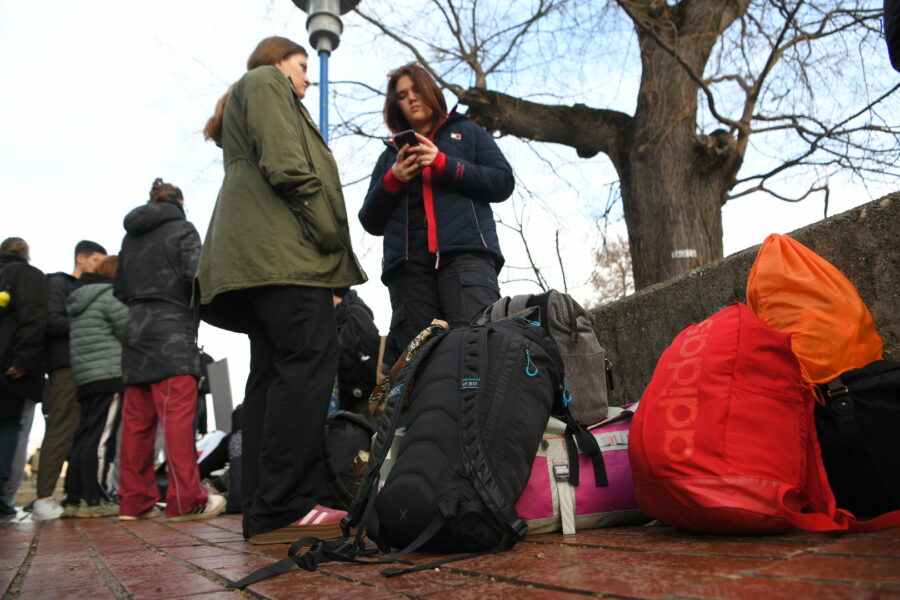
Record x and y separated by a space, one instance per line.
269 51
164 192
15 245
427 89
108 267
340 292
87 247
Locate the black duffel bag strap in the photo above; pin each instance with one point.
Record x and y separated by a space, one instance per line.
474 364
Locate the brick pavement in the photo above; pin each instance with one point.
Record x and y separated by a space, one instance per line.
103 558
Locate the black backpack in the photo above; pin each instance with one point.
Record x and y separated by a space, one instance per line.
858 431
346 445
480 399
359 343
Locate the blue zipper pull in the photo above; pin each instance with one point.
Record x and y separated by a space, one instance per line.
530 368
532 323
567 395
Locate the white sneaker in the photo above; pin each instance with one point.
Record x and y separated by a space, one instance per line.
45 509
214 506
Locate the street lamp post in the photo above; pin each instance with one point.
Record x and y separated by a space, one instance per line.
324 27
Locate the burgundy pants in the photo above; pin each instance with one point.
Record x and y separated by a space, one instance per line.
172 403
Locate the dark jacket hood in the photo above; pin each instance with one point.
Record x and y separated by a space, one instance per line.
87 289
147 217
351 298
8 258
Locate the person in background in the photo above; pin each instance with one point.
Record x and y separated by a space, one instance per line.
160 360
892 31
95 343
23 321
361 350
278 241
431 200
62 414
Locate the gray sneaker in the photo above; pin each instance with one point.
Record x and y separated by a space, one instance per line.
45 509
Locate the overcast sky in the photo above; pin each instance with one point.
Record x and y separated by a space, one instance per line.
101 97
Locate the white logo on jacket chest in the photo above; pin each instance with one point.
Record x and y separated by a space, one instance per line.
456 136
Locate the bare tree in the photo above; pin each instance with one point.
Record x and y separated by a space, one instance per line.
713 75
612 278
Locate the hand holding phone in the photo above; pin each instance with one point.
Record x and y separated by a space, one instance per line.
406 138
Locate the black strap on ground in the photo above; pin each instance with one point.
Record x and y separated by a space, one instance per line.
503 546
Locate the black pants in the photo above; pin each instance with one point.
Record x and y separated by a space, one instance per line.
82 476
11 406
456 292
293 363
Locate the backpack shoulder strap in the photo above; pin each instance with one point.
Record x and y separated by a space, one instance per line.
474 364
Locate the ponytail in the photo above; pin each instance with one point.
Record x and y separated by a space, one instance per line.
213 129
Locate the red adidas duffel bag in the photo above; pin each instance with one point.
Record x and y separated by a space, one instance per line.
724 438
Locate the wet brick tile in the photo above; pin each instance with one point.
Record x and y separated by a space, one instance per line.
233 567
673 542
97 592
893 533
631 583
839 568
277 551
7 574
310 585
190 552
48 581
131 559
754 588
682 563
159 535
12 561
223 595
864 547
172 585
503 591
508 567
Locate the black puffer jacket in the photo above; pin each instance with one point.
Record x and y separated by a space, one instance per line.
57 338
475 175
22 327
156 270
892 31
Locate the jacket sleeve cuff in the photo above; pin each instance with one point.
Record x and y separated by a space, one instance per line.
391 183
438 164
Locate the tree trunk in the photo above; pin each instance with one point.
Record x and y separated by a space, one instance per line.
673 180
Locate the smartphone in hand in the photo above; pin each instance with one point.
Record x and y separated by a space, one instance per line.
406 138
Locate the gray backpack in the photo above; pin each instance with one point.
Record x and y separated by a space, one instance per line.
584 361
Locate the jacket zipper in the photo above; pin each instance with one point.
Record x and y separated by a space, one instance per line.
477 225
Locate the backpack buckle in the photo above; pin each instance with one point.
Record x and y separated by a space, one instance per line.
520 527
561 471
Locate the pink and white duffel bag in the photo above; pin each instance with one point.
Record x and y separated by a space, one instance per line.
550 503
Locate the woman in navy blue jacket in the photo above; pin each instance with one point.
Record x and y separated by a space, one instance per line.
432 203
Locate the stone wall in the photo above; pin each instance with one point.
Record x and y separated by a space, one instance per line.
864 243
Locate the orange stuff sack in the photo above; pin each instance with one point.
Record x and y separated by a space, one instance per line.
796 291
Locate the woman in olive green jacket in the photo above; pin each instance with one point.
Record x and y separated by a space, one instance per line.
277 243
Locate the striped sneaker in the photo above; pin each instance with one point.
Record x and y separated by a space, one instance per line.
214 506
321 522
150 514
